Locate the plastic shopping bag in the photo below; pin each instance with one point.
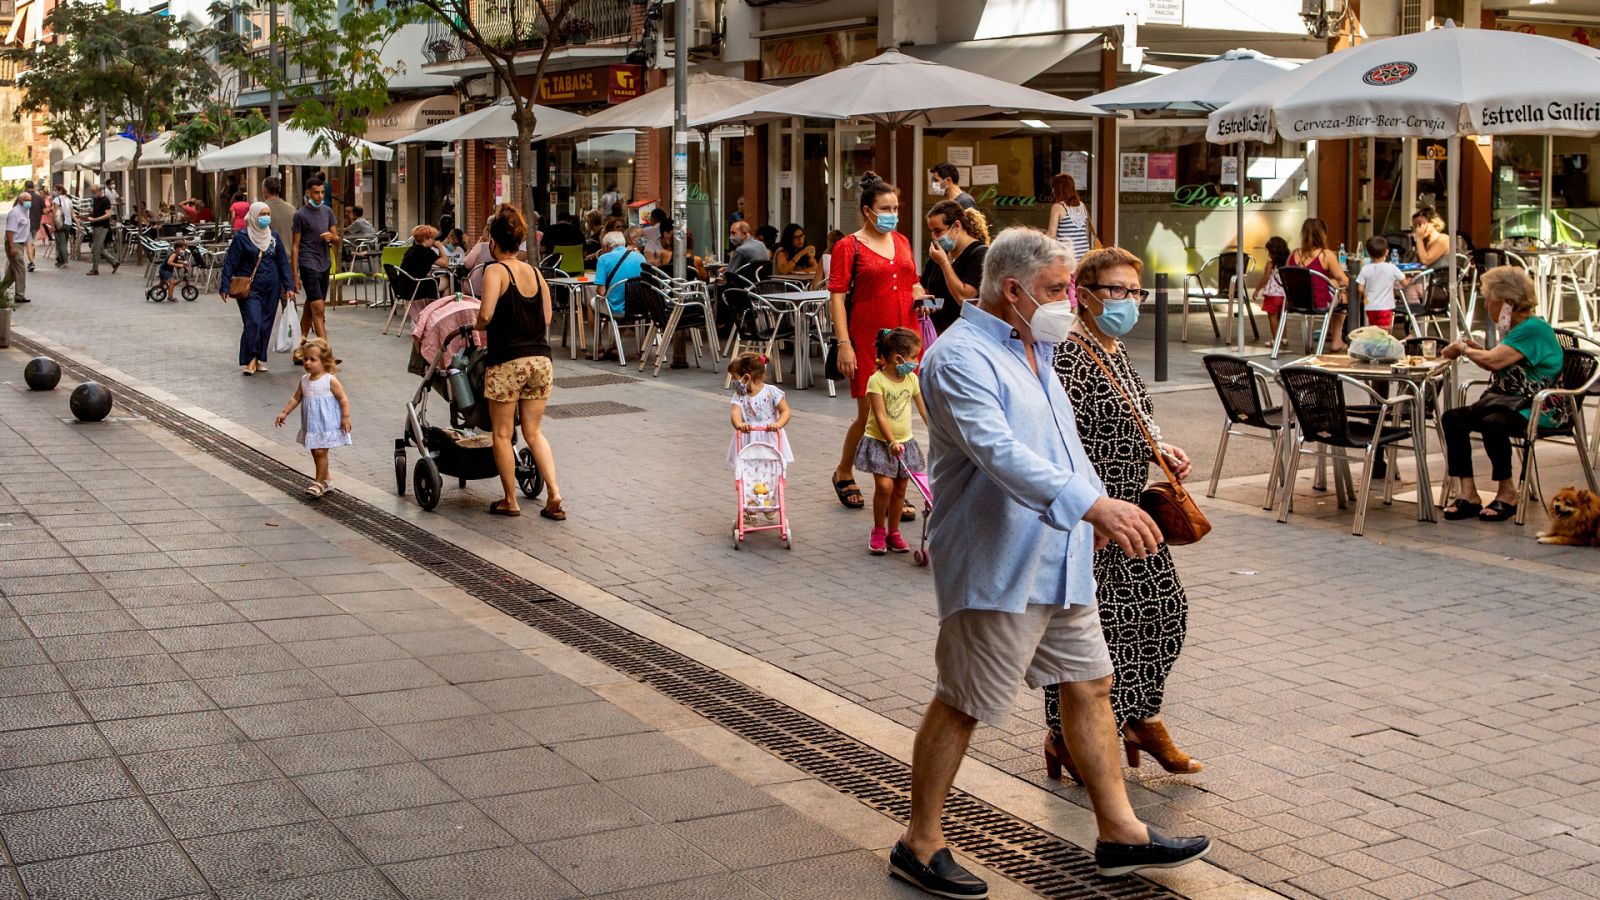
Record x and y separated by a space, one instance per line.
286 331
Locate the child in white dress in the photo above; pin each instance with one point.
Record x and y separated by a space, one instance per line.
757 404
324 410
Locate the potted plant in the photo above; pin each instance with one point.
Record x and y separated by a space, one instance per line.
577 30
440 49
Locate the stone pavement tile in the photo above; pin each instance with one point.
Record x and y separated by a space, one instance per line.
138 596
458 737
126 562
100 646
217 613
48 565
404 620
170 732
356 584
228 661
136 873
274 720
10 886
209 637
447 641
63 784
113 580
378 676
19 681
506 873
275 855
352 792
507 772
625 859
336 651
628 755
270 608
417 705
857 873
117 671
725 886
198 767
140 700
67 623
73 830
40 710
333 750
233 807
264 687
76 601
22 652
313 628
691 794
380 601
41 746
760 837
50 584
562 812
260 589
101 548
529 693
420 832
353 884
576 722
492 666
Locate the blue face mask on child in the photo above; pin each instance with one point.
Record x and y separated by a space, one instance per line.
905 368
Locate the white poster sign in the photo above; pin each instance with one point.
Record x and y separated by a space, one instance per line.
985 175
1076 164
963 174
1230 170
958 156
1135 172
1426 169
785 180
1163 12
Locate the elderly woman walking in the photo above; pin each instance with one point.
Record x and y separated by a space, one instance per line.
257 254
1143 608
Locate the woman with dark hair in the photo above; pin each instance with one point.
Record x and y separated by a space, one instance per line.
515 317
1143 608
794 256
1069 217
955 260
768 236
871 279
1313 254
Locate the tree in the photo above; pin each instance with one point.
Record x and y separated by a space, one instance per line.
499 31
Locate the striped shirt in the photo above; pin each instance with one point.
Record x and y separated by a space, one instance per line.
1072 229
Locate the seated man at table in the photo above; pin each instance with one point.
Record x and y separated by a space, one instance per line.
1378 281
360 225
619 261
746 250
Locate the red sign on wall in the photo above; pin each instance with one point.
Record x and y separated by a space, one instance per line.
599 84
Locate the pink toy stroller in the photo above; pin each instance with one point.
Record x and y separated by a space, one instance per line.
925 488
759 481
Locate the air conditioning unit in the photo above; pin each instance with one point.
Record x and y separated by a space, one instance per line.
1322 16
705 18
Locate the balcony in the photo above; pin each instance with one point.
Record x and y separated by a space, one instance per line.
518 23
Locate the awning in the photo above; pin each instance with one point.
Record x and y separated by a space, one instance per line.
1016 60
403 119
24 31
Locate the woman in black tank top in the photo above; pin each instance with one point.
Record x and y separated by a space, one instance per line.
515 317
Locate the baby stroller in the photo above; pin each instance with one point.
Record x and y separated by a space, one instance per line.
925 488
759 483
465 450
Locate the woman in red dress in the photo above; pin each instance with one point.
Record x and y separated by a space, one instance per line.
885 271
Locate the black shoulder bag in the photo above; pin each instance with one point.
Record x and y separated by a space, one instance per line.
830 362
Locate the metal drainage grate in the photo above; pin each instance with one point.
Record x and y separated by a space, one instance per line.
588 410
1009 846
577 381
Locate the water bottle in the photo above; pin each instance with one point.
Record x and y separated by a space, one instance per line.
1344 258
460 385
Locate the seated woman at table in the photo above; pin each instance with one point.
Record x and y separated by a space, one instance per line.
1313 254
478 257
794 255
1527 360
420 260
454 247
1432 249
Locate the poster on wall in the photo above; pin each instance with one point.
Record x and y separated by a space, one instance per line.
963 174
1426 169
1230 170
1135 172
1161 173
1076 164
985 175
786 180
958 156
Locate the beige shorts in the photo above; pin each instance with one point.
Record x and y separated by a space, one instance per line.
984 654
523 378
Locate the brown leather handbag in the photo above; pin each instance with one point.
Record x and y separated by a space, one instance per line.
239 285
1168 503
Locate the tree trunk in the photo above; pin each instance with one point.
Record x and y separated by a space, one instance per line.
135 183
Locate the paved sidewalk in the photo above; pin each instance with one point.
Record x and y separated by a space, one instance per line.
181 717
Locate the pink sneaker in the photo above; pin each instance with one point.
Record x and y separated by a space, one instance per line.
897 543
877 544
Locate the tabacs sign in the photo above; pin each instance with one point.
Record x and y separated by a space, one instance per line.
600 84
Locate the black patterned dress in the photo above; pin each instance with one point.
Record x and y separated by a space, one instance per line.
1143 609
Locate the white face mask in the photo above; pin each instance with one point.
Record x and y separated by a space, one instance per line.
1051 322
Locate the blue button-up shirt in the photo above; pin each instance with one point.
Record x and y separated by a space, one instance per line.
1011 482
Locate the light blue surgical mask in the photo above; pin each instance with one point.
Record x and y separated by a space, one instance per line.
313 203
1118 317
27 204
264 221
905 368
887 222
947 243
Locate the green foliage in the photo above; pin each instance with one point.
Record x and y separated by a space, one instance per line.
215 124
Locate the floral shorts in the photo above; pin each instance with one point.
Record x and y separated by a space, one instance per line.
523 378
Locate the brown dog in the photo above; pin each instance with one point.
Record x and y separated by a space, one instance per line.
1574 519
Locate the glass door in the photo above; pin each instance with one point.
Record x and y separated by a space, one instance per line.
855 150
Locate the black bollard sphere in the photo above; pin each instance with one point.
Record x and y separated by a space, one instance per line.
41 373
90 402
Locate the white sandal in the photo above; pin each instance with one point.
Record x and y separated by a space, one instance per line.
316 489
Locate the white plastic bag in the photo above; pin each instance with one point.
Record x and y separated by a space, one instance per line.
1376 344
286 331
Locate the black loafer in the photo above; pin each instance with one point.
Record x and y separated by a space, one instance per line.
942 876
1162 852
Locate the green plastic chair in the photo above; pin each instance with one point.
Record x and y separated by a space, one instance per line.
571 259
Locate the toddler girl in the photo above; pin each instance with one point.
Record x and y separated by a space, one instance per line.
324 409
176 262
756 405
887 449
1270 293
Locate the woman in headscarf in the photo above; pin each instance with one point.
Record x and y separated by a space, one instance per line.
257 254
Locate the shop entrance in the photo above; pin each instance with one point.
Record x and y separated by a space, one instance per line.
1403 175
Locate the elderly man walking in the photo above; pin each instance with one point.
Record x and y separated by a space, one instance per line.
19 236
1020 514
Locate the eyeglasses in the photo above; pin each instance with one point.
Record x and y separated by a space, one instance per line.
1120 292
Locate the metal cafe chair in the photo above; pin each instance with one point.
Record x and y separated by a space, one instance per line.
1436 306
1246 397
1577 340
404 291
1213 283
1299 299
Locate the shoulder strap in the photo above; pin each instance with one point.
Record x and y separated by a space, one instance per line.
1138 414
855 264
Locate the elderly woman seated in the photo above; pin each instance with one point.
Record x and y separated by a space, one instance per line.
1527 360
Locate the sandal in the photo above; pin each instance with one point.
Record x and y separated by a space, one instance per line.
1462 509
1498 511
498 508
559 514
849 495
908 513
316 489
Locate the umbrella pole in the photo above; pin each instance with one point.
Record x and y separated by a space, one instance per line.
1238 259
1453 161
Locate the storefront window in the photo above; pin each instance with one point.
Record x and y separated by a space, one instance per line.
1178 196
1518 185
1574 190
589 168
1007 169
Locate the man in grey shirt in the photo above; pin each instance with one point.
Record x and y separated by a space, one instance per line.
746 249
282 212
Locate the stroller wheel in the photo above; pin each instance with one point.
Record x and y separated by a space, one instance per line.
736 538
528 477
787 544
428 484
921 556
400 474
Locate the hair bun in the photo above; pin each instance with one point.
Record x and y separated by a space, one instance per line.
868 179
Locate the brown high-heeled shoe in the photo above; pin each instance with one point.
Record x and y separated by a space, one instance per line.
1152 738
1056 758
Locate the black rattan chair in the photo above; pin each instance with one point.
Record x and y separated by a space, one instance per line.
1246 397
1299 299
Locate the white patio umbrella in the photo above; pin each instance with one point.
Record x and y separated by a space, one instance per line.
1440 84
294 149
493 123
157 155
1204 87
119 156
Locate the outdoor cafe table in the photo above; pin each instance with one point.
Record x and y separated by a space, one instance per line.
583 291
797 304
1413 378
